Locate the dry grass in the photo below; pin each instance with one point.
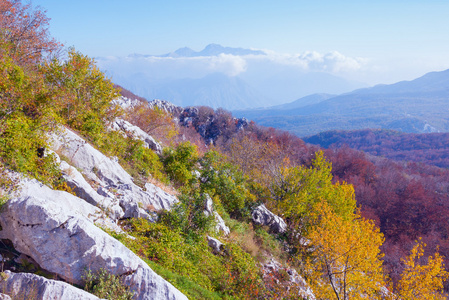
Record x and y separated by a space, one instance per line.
168 189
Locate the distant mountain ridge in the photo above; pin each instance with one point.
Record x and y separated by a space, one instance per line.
254 78
209 50
213 50
416 106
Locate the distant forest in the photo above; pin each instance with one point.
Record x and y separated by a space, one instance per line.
428 148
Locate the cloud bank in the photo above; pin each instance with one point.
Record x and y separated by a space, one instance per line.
229 64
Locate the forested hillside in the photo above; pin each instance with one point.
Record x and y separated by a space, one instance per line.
429 148
219 207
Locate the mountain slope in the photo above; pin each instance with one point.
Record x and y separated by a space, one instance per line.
416 106
214 90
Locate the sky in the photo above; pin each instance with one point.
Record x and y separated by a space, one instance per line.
395 40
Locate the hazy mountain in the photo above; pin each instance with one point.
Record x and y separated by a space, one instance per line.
214 90
280 110
249 78
213 50
420 105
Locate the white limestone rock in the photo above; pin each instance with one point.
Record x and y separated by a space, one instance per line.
94 164
148 285
84 190
57 231
166 106
4 297
110 176
220 225
126 103
262 216
61 241
31 286
137 133
295 280
215 244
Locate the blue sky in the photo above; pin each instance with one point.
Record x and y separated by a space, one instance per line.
398 39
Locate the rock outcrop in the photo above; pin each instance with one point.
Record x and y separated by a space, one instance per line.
220 225
137 133
57 230
112 180
295 281
84 190
262 216
215 244
31 286
166 106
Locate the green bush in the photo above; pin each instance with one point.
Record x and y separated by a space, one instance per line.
221 178
234 273
106 285
179 163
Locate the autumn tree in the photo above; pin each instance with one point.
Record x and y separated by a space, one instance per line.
296 190
25 30
154 121
84 93
421 280
345 259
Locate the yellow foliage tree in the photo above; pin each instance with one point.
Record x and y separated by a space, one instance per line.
345 258
154 121
422 281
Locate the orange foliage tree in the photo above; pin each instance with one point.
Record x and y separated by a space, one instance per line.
25 30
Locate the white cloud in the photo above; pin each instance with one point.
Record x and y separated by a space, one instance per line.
231 65
226 63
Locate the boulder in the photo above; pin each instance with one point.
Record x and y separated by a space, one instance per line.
84 190
262 216
220 225
148 285
137 133
111 177
296 281
31 286
215 244
4 297
57 230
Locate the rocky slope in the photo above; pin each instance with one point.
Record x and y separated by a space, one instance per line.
62 233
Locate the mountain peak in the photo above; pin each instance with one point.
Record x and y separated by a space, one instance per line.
213 50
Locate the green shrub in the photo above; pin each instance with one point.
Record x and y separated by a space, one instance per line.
234 273
221 178
106 285
179 163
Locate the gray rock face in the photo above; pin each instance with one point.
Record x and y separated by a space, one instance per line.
295 280
220 225
31 286
84 190
63 242
148 285
262 216
166 106
137 133
56 229
125 102
110 176
94 164
215 244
